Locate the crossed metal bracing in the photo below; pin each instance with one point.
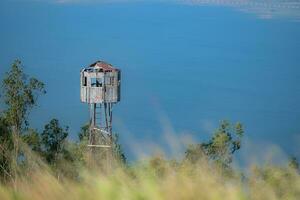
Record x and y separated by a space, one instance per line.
99 138
100 133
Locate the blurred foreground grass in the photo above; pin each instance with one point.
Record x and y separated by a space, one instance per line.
157 179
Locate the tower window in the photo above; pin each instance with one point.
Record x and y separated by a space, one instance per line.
84 81
96 82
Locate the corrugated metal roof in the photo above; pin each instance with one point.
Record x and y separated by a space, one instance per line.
103 65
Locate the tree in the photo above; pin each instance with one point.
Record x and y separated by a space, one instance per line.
194 153
221 147
84 132
20 96
33 139
6 145
53 141
117 150
293 163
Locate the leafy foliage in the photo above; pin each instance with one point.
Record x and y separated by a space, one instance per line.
293 163
6 145
220 148
118 151
283 182
194 153
20 95
33 139
84 132
53 141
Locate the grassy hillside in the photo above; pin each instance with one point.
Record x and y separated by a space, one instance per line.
157 178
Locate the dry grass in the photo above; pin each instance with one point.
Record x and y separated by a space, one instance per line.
158 179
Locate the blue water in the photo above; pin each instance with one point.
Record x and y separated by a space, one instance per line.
193 65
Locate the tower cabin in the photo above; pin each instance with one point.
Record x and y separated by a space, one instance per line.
100 83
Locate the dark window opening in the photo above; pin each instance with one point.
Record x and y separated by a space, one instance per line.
84 81
96 82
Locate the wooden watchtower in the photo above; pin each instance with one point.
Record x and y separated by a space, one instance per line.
100 88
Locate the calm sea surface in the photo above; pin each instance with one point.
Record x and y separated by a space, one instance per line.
184 68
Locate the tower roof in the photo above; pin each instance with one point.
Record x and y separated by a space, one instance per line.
106 67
